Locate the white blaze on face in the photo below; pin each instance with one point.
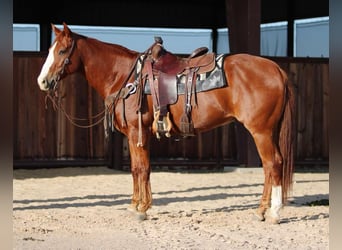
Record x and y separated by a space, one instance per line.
45 69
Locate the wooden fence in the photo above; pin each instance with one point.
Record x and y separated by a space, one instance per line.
45 134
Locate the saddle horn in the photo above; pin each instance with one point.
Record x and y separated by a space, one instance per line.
158 39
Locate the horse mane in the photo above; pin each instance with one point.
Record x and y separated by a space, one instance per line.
111 46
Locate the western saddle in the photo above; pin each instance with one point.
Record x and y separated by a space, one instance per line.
164 69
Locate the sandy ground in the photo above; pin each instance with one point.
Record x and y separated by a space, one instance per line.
85 208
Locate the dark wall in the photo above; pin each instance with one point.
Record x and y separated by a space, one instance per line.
273 11
150 13
156 13
153 13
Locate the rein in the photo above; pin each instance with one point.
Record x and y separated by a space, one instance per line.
57 106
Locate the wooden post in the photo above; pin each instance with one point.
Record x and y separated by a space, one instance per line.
45 36
243 21
290 26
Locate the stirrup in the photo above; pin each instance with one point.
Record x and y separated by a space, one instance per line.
161 126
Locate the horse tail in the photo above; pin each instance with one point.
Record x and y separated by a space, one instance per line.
286 137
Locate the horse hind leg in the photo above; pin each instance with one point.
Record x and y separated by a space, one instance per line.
272 165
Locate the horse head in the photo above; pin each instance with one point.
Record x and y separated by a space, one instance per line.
61 60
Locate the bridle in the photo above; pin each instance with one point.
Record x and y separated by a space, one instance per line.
52 95
65 63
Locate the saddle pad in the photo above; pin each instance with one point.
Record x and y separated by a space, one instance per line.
206 81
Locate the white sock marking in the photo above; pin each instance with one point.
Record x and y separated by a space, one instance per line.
276 202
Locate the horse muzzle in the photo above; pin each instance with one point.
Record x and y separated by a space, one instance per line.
46 84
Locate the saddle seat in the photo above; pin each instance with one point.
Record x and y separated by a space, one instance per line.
171 64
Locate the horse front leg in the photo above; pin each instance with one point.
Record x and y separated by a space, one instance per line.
140 169
266 196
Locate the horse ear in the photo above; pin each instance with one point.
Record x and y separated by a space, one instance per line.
66 29
55 29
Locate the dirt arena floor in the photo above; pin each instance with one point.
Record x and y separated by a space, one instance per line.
85 208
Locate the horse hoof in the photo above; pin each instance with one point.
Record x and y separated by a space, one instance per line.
141 216
132 209
273 221
259 216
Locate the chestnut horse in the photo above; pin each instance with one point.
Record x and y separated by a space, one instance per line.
258 95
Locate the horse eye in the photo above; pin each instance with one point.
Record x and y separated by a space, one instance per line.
62 51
